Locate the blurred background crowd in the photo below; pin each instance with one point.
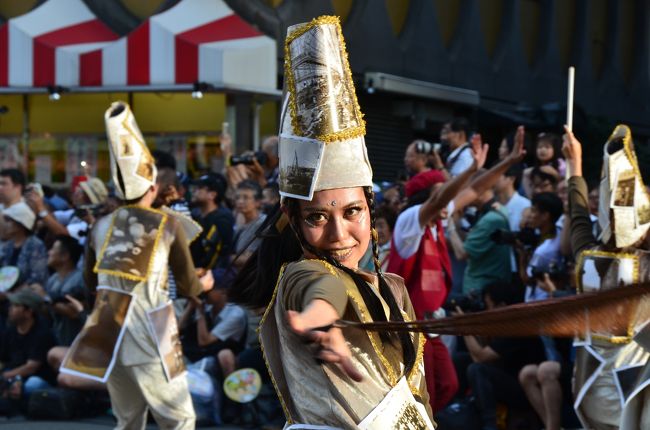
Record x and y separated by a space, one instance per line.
508 244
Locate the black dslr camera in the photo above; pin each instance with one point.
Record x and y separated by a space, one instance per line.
247 159
555 271
472 302
527 236
83 210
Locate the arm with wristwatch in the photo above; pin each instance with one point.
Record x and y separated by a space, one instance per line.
35 201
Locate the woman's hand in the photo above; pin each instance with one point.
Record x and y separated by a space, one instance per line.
313 324
479 151
572 150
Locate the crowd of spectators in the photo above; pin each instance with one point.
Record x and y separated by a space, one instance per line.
472 237
506 234
44 302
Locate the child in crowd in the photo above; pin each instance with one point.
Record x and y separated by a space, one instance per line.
547 153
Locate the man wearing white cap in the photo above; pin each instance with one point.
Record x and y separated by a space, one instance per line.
22 248
90 194
128 254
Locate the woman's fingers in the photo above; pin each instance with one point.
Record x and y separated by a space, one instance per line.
314 325
317 314
335 350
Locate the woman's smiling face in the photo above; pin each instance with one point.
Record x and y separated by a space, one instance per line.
337 223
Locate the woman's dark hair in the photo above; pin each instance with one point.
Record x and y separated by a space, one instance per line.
256 281
555 141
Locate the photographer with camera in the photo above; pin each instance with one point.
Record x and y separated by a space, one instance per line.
88 200
416 157
541 266
260 166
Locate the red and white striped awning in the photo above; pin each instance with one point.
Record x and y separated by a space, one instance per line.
195 41
42 47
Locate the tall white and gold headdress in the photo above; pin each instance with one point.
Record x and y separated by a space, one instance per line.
322 130
624 205
133 168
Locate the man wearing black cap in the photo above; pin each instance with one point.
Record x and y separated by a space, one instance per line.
211 250
23 351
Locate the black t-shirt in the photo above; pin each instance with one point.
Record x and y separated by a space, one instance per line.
212 248
515 353
17 349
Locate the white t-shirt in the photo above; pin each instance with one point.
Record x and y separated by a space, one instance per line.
515 207
462 162
408 232
546 254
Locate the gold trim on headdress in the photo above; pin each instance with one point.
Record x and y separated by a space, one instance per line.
349 133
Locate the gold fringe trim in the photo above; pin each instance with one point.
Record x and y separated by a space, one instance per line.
267 311
350 133
419 357
329 267
617 340
125 275
375 341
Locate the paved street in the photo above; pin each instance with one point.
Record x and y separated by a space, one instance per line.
98 423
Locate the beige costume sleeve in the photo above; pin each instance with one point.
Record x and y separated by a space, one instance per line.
180 261
308 280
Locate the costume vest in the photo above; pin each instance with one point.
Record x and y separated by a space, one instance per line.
319 393
132 322
427 273
612 368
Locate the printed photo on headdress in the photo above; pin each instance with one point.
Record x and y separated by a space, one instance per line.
596 271
324 98
93 352
300 162
129 249
163 325
624 189
145 167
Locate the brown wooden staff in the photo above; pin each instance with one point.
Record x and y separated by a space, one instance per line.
613 312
